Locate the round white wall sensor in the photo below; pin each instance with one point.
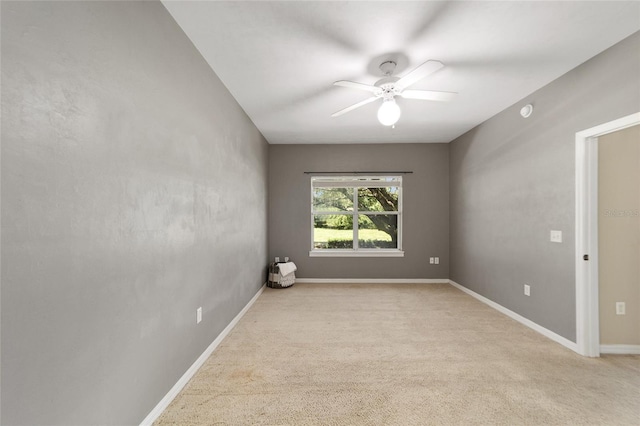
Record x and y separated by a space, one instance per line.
526 110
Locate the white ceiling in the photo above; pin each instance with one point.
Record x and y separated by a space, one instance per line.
280 58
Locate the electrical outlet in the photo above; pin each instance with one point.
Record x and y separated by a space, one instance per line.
555 236
527 290
198 315
437 259
432 260
621 308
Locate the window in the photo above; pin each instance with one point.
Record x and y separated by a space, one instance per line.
356 216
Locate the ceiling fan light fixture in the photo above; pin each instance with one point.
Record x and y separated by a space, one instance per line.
390 86
389 112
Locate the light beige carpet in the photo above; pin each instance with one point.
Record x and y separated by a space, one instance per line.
398 354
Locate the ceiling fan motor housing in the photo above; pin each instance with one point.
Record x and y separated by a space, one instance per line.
387 83
387 86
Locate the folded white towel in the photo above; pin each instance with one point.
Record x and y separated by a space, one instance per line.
287 268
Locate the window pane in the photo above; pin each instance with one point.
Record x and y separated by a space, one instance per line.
333 231
378 199
332 199
378 231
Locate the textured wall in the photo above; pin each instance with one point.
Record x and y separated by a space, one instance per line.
425 207
513 180
133 191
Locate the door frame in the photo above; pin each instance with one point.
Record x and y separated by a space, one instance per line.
587 310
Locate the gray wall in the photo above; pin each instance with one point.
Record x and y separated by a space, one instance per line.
425 207
512 181
133 191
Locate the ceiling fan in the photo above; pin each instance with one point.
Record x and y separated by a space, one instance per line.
388 87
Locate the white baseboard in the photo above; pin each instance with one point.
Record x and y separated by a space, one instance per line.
620 349
373 280
522 320
164 403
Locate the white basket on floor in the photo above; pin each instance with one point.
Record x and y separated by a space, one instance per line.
277 280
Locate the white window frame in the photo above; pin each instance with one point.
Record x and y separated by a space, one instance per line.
356 182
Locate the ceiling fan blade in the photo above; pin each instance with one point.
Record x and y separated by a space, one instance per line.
354 106
428 95
419 73
360 86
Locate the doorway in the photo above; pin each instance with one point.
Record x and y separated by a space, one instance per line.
619 241
587 242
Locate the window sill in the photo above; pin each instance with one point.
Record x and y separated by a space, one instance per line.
354 253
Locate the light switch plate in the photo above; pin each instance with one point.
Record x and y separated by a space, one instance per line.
555 236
